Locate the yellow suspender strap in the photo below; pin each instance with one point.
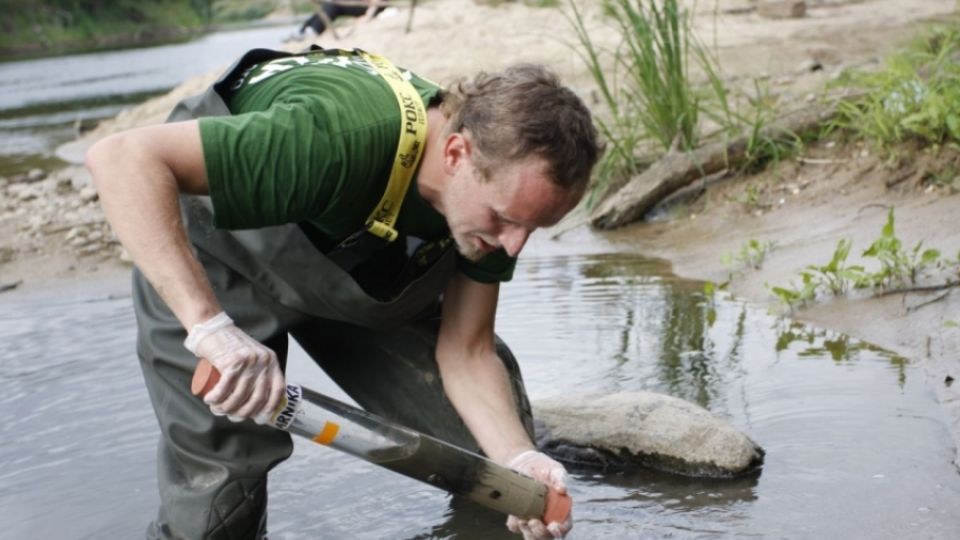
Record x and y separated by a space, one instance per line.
413 137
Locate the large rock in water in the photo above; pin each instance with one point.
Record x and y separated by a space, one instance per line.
623 431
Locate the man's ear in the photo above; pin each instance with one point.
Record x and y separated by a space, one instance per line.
456 152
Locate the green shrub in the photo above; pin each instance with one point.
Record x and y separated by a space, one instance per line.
915 96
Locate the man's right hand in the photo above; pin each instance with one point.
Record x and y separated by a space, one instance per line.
251 383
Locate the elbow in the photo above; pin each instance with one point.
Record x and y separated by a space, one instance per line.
98 157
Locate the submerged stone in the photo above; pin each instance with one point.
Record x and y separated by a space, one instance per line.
623 431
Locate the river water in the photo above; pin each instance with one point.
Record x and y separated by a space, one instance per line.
41 100
856 446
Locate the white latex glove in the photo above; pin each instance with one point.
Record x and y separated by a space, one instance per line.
543 468
251 383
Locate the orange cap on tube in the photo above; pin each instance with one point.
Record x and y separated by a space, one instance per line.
557 507
205 377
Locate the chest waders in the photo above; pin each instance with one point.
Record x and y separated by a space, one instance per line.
212 473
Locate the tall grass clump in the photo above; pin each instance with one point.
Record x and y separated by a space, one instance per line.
650 82
915 96
657 44
645 83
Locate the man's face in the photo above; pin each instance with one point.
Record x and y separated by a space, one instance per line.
485 215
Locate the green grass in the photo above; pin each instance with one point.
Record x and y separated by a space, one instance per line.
661 88
916 95
52 26
650 100
655 63
57 26
243 10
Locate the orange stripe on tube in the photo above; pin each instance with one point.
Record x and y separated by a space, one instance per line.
328 434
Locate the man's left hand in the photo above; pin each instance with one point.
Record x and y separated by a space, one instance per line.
545 469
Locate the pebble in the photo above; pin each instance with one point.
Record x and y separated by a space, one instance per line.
64 186
36 175
88 250
88 194
38 205
75 232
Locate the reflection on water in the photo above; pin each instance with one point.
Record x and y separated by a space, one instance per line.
41 100
856 447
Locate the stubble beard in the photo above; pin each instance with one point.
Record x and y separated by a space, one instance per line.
466 249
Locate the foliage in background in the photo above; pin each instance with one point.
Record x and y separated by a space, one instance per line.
653 103
56 26
248 10
241 10
915 96
60 25
751 121
648 92
654 63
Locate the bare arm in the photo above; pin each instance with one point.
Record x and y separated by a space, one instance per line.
473 376
139 175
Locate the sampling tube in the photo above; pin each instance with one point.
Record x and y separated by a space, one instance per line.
372 438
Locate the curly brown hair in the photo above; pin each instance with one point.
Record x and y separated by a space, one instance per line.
524 111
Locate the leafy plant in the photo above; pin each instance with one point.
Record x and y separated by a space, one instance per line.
835 276
751 255
897 266
794 295
916 95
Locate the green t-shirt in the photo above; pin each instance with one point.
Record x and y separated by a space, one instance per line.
312 140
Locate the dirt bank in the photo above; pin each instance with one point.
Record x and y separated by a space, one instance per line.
52 228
